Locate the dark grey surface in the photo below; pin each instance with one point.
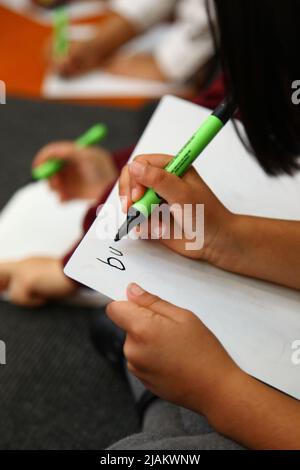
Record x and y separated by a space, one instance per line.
56 392
26 126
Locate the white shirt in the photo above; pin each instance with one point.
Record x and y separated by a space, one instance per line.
187 46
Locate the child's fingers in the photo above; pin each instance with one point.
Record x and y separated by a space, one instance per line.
168 186
20 295
149 301
136 189
64 150
125 315
132 184
57 185
76 61
124 189
66 65
161 161
6 270
157 160
128 185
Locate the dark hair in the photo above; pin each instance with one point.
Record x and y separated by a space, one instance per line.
257 42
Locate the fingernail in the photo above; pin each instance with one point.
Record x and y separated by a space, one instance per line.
137 169
134 289
135 194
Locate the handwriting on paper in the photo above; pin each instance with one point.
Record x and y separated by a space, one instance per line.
114 260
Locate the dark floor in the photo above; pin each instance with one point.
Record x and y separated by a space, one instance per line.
56 392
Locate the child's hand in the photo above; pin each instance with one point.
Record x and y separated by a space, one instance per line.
171 351
86 175
142 66
82 57
87 55
31 282
146 172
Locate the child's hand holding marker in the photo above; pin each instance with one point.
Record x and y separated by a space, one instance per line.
71 58
77 170
86 174
252 246
147 171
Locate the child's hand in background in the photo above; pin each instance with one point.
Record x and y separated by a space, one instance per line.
147 172
84 56
87 173
33 281
172 352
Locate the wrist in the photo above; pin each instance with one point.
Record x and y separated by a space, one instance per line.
225 399
220 242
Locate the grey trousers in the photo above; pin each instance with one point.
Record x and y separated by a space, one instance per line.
170 427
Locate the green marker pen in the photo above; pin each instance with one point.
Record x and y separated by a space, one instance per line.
143 208
61 33
93 136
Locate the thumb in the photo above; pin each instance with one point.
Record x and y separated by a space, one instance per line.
152 302
6 271
168 186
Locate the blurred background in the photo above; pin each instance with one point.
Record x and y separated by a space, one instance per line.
90 61
114 56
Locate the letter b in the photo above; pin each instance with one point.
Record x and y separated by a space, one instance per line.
113 263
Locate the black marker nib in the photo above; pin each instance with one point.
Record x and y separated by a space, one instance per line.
134 218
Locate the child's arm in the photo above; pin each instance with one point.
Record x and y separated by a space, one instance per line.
125 20
185 52
194 370
256 415
263 248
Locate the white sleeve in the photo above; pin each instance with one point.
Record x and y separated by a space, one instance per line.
188 45
143 13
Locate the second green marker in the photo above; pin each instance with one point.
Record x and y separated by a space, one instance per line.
93 136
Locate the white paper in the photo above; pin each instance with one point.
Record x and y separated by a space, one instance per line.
35 224
98 83
256 321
